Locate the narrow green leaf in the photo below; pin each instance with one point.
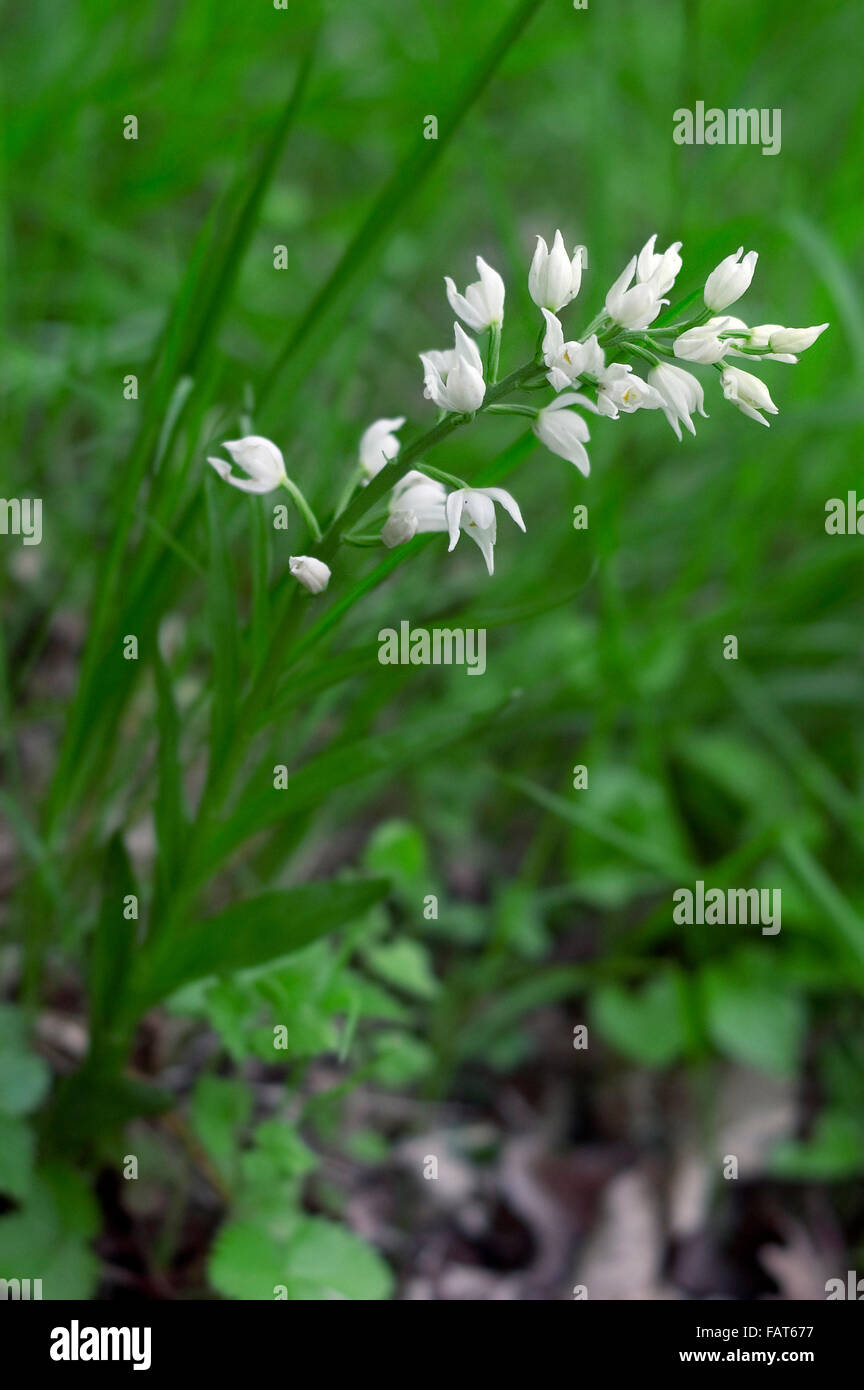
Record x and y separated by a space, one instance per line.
412 172
113 942
223 630
249 934
169 810
261 807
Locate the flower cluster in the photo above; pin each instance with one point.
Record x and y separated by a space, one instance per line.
584 372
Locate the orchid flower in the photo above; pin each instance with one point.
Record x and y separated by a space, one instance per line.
258 457
729 280
472 510
681 392
634 307
555 278
567 362
313 574
747 392
379 445
482 304
454 379
563 431
659 269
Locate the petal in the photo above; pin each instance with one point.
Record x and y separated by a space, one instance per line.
621 283
480 509
493 289
510 505
485 541
645 259
256 485
537 273
453 512
466 349
462 306
553 339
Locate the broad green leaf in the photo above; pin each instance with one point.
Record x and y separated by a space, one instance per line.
406 965
752 1018
833 1153
647 1025
36 1242
319 1261
33 1247
397 849
17 1151
218 1113
24 1082
401 1059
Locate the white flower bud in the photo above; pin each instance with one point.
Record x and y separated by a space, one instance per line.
729 280
313 574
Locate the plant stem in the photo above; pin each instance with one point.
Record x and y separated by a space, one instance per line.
303 507
493 353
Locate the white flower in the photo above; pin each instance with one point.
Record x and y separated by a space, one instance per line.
454 379
399 528
482 304
554 278
313 574
636 307
660 269
620 389
729 280
747 392
258 457
378 445
682 394
564 431
784 341
568 361
759 338
472 510
704 345
416 505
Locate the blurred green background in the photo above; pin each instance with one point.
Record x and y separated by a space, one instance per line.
604 645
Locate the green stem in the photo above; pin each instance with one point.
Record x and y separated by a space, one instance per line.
493 353
362 541
303 507
365 500
642 352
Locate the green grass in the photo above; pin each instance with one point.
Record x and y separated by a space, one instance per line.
304 128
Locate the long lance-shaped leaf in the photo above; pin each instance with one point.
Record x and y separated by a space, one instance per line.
113 945
261 807
248 934
405 182
189 336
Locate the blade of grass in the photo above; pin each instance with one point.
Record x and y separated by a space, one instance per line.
189 336
407 179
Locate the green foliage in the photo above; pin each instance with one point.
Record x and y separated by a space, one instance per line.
298 914
48 1238
313 1260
